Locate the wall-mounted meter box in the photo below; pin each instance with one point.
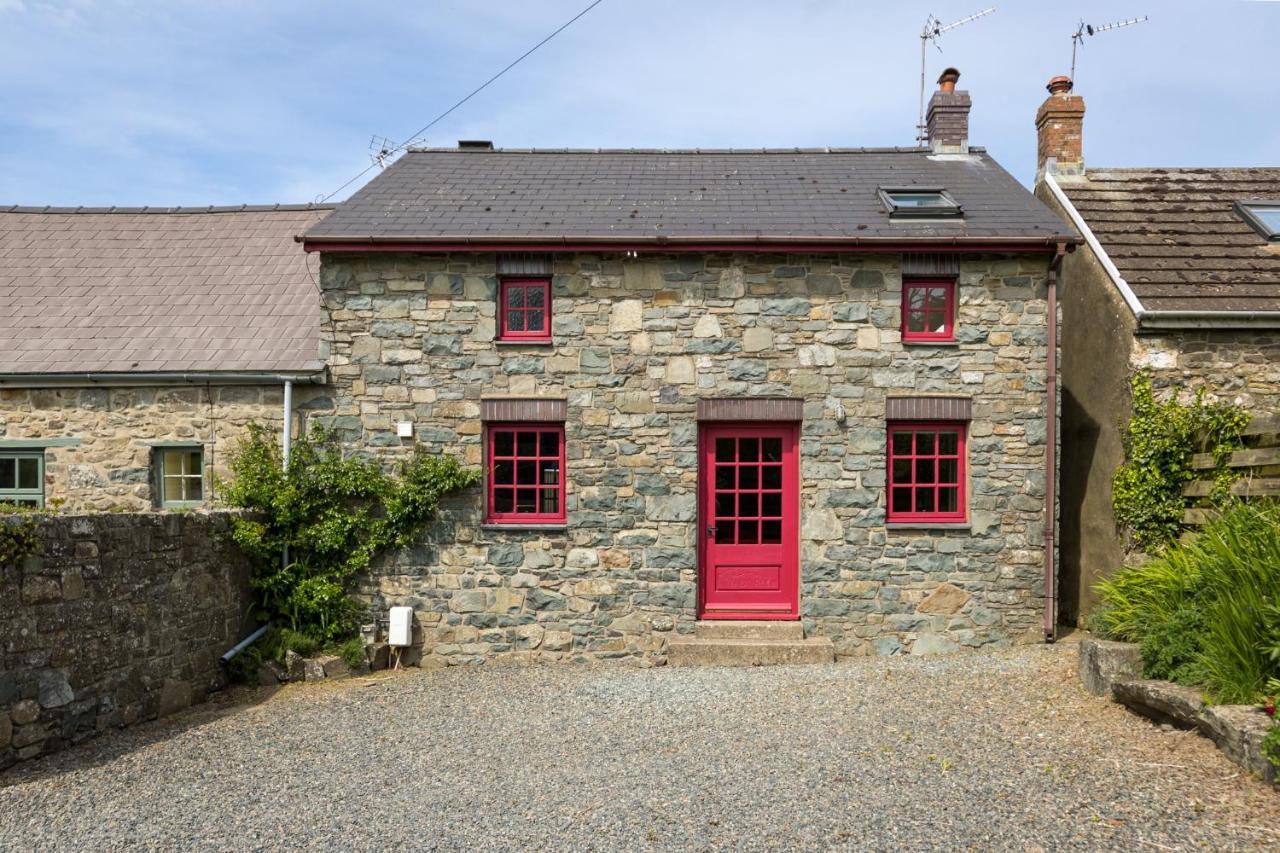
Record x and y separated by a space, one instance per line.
400 630
404 429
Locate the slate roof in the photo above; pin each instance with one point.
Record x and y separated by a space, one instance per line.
1177 241
715 195
157 290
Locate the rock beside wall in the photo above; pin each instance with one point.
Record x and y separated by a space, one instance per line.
121 619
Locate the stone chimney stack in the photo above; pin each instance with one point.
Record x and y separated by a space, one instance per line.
1060 131
947 119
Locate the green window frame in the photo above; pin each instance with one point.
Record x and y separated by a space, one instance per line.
180 476
22 477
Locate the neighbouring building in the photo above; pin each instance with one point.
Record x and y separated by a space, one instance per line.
1179 276
707 386
136 344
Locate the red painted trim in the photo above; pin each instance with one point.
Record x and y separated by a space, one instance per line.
948 312
669 246
491 515
527 284
783 603
934 486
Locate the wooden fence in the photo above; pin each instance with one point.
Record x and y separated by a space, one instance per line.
1258 464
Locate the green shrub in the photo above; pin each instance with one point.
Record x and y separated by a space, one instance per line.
19 533
1159 441
1204 611
352 652
332 514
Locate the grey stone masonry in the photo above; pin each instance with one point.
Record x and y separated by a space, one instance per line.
636 343
121 618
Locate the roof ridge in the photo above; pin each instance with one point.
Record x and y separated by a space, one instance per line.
213 208
744 151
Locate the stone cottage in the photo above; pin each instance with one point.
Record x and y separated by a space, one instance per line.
1180 276
722 399
136 344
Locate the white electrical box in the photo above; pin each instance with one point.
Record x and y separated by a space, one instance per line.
400 630
404 429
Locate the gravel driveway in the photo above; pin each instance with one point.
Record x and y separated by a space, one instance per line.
992 750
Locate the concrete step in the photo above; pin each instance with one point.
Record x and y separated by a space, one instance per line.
692 651
745 630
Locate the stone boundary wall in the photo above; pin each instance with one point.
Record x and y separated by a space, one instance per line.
121 619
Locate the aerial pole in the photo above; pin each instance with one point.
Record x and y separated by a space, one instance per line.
933 28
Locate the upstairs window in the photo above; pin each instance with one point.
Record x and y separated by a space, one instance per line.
919 203
524 309
22 478
926 472
180 476
526 474
929 309
1262 216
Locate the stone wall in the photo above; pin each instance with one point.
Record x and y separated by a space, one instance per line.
109 468
1236 366
122 618
637 342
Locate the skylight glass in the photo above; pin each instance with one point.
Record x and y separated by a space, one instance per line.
919 202
1262 216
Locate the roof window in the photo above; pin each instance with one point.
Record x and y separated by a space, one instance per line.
919 203
1262 216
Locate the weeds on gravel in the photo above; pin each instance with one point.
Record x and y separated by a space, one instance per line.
1206 611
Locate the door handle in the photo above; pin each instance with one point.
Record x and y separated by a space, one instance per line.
711 530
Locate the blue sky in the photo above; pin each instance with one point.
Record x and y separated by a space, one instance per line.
231 101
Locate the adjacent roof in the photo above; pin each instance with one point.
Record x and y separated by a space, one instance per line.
108 290
545 196
1176 238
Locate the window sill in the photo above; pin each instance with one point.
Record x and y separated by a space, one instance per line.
533 527
908 342
532 342
928 525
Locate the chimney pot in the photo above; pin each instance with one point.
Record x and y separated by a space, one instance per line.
1060 85
947 81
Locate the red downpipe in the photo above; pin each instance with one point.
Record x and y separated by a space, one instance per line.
1051 452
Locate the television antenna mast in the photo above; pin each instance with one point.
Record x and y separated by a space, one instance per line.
1077 40
933 28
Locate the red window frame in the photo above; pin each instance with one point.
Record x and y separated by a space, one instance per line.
947 311
508 312
508 466
929 475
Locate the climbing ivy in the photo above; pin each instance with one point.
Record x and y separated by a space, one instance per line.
19 533
1159 441
332 514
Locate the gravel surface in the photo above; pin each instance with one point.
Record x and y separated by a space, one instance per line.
991 750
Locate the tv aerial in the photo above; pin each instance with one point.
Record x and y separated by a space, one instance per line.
1077 40
933 29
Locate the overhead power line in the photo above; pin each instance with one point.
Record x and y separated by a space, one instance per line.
416 136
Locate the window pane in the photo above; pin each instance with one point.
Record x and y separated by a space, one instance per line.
504 500
748 449
748 477
8 473
191 462
515 296
526 472
771 477
902 500
724 477
724 505
915 298
902 470
195 488
948 500
948 471
526 500
534 321
748 505
504 443
771 532
936 298
551 501
924 500
902 444
172 488
948 443
771 449
550 442
515 321
527 444
724 450
549 473
535 297
504 473
936 322
29 473
925 472
724 533
924 444
747 533
771 504
916 321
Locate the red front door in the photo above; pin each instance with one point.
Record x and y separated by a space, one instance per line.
749 522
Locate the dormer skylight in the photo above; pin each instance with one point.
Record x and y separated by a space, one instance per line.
919 203
1262 216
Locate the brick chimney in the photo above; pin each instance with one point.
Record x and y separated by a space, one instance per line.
947 119
1060 131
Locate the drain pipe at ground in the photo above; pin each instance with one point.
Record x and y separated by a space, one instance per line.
1051 450
286 445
